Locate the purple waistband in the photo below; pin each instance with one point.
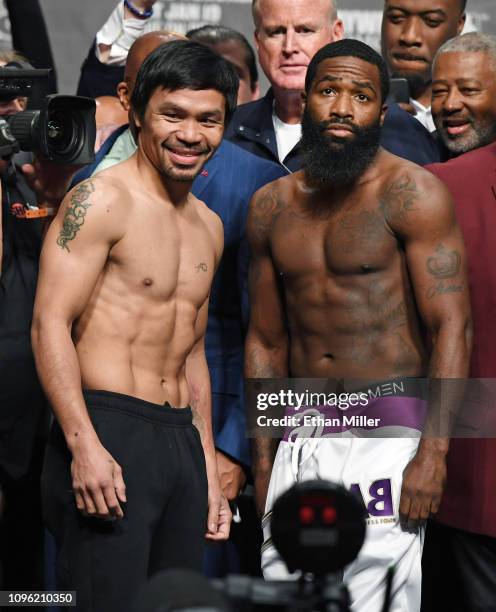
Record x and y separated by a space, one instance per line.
405 412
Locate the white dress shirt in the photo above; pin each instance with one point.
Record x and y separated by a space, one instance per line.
424 115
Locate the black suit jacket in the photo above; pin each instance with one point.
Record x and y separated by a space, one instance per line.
252 129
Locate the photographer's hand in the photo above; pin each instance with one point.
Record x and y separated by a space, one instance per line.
50 182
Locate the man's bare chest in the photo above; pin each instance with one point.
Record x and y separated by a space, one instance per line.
353 240
165 260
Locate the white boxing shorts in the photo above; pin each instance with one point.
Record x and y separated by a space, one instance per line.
372 467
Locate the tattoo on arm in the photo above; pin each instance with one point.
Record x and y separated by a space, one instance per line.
75 214
398 200
263 453
260 365
201 267
442 266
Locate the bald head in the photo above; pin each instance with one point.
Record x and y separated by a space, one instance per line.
141 49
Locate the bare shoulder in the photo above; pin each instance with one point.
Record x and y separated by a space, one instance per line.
99 191
408 195
212 221
267 203
101 203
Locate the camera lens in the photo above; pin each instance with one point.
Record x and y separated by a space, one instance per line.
64 133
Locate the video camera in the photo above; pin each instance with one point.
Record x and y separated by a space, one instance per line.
63 130
317 527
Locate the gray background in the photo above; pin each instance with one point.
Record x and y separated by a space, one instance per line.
72 24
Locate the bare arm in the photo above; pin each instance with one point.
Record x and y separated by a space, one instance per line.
197 375
424 219
266 350
74 253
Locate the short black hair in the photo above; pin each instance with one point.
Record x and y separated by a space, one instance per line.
184 64
349 47
464 5
212 35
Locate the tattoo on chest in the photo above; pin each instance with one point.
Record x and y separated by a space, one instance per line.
406 358
443 266
399 200
75 214
201 267
372 320
365 227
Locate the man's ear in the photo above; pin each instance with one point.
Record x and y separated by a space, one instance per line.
255 92
134 120
123 94
255 38
461 23
383 113
338 30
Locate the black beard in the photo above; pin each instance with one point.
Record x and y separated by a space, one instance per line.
331 161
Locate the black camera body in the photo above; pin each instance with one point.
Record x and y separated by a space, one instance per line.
63 130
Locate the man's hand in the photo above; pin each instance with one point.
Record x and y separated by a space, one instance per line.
232 476
144 5
49 181
409 108
97 482
219 514
261 481
424 479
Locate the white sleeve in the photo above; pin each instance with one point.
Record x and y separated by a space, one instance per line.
119 34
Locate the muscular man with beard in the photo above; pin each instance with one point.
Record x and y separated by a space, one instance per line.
358 252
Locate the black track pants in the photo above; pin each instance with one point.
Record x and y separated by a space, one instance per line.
163 464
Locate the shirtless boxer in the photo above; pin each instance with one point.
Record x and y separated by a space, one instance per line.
118 335
355 252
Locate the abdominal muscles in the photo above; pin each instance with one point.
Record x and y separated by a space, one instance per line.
133 338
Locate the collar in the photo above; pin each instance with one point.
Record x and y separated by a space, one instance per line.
257 125
424 115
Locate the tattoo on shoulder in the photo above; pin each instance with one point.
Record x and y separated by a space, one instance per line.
443 266
201 267
265 210
399 199
75 214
